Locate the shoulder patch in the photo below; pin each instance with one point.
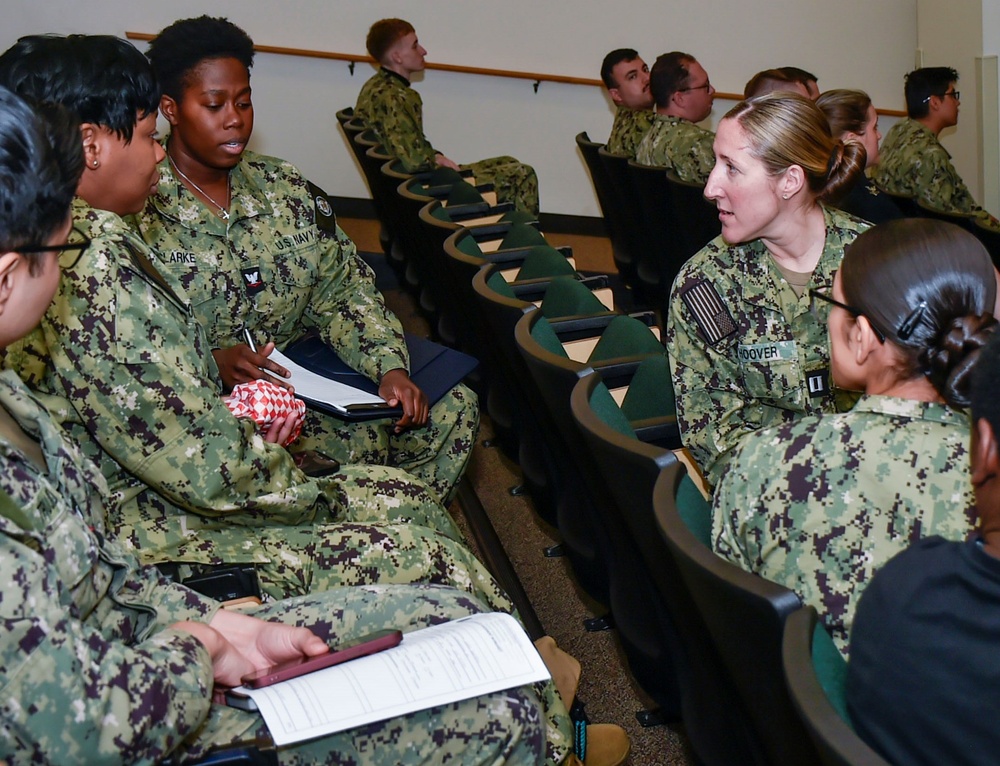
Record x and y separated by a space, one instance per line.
710 313
325 217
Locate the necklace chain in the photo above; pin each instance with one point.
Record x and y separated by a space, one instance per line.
223 211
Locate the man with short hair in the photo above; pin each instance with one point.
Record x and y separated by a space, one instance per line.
913 162
774 81
394 111
626 76
808 80
683 96
923 678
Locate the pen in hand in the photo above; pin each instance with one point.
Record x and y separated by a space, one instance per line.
249 336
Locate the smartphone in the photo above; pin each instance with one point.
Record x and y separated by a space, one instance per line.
370 644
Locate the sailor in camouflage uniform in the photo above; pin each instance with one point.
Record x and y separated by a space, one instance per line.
102 660
626 77
820 504
746 351
130 376
94 665
628 129
684 97
265 255
394 110
135 387
308 275
912 161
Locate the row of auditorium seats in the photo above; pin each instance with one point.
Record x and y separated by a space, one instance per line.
759 678
655 220
581 393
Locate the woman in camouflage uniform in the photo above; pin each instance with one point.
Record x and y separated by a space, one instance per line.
257 247
102 660
745 350
820 504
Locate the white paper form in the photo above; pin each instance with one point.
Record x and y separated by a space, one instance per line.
446 663
316 388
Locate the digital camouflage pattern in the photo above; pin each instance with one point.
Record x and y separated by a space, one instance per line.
280 267
818 505
678 145
394 111
913 162
90 670
527 725
133 382
750 365
629 127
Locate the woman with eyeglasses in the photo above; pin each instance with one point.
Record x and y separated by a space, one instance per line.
102 658
820 504
745 350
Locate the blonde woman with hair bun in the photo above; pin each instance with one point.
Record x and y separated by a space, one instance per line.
745 350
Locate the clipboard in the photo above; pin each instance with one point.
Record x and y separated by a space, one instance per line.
435 368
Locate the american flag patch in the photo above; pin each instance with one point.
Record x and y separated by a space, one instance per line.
710 313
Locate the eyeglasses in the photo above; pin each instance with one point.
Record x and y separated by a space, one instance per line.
706 87
69 253
955 93
817 295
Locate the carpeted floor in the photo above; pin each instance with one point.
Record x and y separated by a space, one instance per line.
605 687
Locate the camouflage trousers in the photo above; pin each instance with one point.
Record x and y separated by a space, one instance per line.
526 725
436 453
158 532
514 181
296 561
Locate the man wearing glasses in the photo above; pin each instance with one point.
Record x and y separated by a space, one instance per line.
912 160
683 96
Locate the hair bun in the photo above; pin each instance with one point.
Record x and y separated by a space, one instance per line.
844 171
949 360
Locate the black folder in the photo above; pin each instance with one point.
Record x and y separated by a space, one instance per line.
436 369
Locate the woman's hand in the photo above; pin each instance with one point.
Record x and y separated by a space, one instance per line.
240 644
398 390
239 364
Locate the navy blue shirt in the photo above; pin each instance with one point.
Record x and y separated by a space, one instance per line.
923 683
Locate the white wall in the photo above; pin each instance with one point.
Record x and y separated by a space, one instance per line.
850 43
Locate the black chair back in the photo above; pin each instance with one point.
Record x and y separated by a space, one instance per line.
806 652
624 214
499 314
745 615
696 219
606 196
660 257
345 115
714 720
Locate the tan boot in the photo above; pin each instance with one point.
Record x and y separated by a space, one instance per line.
607 745
563 667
